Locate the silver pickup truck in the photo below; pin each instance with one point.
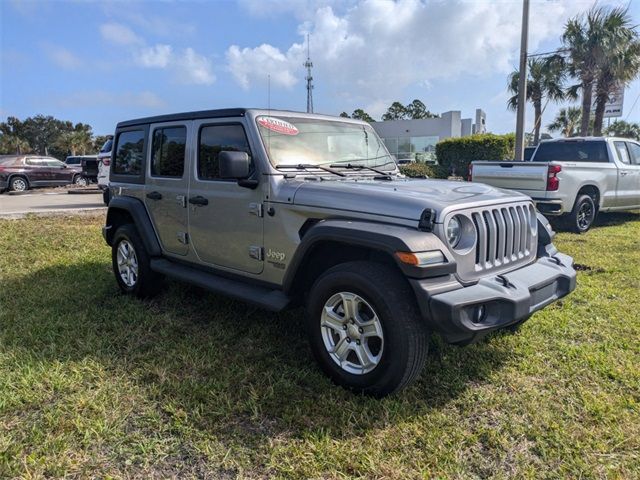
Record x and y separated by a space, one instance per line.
572 178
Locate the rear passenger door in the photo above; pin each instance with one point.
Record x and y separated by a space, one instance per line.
167 184
225 219
38 171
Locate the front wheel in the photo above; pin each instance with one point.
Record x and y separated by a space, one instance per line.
365 329
132 265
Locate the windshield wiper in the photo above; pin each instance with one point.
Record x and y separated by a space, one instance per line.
309 166
351 166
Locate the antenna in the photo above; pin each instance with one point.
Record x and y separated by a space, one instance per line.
309 79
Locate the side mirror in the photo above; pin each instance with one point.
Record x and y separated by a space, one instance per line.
234 165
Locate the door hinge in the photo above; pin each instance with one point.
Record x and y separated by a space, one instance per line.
256 252
183 237
256 209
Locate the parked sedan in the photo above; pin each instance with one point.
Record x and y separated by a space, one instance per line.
22 172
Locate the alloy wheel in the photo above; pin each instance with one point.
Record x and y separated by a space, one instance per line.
18 185
127 263
585 215
352 333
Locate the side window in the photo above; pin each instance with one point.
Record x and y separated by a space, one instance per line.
634 150
129 150
52 162
623 154
167 155
215 139
36 162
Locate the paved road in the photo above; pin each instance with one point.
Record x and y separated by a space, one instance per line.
49 203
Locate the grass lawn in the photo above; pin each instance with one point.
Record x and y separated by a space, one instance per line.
93 383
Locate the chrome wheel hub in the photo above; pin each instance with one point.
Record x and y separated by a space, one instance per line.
352 333
19 185
127 263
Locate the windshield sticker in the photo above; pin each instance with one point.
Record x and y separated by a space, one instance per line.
278 125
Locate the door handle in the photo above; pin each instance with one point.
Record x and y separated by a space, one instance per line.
624 173
154 195
198 201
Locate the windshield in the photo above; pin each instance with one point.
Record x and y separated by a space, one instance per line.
311 141
572 151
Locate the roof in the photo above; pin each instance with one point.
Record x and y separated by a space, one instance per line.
221 113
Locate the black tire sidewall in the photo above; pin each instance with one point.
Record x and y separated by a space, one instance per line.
392 306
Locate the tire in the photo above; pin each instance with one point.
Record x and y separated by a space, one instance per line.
394 359
18 184
80 181
582 216
133 270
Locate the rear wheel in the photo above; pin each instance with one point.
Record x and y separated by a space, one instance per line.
365 329
80 181
132 265
583 214
18 184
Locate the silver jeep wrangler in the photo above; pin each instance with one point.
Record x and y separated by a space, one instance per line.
282 209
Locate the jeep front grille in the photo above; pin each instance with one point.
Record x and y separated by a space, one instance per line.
505 235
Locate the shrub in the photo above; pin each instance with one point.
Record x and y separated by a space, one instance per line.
455 154
417 170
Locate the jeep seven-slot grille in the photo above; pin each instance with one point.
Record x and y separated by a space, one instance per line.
504 235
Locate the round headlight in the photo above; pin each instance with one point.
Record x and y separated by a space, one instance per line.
454 231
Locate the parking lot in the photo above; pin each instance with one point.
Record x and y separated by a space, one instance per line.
191 384
49 203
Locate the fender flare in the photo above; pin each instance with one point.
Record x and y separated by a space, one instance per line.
377 236
138 212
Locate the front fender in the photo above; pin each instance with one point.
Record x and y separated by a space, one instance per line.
377 236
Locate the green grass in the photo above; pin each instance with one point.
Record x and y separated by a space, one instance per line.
93 383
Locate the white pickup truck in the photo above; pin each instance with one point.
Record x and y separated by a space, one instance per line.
572 178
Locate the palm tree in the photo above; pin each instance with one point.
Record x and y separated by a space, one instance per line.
621 128
545 78
596 44
10 144
75 142
566 122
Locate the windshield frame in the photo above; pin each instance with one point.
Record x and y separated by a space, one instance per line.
380 159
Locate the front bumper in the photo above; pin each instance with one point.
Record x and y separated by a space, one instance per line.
466 314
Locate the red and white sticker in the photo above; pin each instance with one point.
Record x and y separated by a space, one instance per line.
278 125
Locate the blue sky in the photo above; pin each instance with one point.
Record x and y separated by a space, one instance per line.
102 62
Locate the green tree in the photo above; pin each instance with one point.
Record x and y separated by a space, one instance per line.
417 109
567 121
396 111
76 142
345 115
360 114
545 78
602 50
12 144
620 128
98 141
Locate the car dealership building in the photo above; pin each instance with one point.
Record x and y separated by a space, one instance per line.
416 139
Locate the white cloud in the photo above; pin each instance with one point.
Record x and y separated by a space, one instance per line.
375 49
158 56
119 34
194 68
62 57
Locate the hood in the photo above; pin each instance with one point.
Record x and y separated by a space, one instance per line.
401 198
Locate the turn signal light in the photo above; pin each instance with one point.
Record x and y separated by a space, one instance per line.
421 259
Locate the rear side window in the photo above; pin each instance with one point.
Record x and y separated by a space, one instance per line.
634 150
572 152
129 153
167 158
108 145
621 150
215 139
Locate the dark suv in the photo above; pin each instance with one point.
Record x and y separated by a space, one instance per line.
22 172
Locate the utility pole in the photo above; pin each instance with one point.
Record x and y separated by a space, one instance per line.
522 83
309 79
